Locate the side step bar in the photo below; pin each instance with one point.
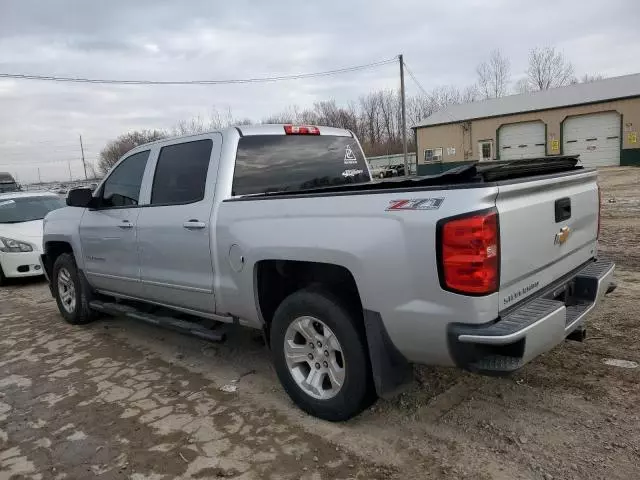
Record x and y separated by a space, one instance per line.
170 323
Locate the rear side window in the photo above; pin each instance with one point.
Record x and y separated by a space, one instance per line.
181 173
277 163
122 187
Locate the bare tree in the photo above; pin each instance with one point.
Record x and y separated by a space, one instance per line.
370 111
548 68
93 174
215 121
444 96
494 76
522 86
191 126
470 94
586 78
115 149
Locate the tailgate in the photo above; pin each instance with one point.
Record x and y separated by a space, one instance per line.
548 227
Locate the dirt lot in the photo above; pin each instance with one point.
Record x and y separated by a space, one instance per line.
118 399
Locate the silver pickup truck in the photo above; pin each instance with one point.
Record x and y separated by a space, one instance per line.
281 228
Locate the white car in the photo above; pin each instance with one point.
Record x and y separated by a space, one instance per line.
21 215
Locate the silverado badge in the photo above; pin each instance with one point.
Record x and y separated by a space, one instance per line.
562 236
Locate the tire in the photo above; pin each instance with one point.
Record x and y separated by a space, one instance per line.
3 279
340 391
71 294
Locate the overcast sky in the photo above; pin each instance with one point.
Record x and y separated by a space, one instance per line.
442 41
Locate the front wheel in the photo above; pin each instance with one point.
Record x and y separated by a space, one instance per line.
320 355
72 296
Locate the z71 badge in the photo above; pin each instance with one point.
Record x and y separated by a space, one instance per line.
416 204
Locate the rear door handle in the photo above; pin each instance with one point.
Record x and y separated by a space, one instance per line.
126 224
194 225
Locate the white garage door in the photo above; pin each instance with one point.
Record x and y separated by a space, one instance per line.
522 140
595 137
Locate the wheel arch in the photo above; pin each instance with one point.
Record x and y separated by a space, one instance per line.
275 280
52 250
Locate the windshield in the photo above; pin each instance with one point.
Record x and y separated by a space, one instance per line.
293 163
26 209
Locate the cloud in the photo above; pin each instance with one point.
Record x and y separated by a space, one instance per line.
163 39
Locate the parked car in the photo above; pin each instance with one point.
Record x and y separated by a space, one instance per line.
21 217
280 228
382 172
398 170
8 183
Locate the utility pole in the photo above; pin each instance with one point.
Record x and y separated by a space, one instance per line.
39 179
69 165
84 164
404 116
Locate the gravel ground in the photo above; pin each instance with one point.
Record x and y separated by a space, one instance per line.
117 399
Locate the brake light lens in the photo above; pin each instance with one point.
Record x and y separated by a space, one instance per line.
470 254
599 209
301 130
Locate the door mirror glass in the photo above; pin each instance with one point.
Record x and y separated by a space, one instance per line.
80 197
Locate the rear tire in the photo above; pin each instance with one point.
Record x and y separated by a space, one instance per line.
330 380
3 279
71 294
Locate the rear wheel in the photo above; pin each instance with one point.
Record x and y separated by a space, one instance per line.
3 279
72 295
320 355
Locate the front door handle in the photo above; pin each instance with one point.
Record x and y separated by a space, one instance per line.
126 224
194 225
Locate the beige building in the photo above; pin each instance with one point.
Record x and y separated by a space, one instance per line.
600 121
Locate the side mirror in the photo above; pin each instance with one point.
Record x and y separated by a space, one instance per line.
80 197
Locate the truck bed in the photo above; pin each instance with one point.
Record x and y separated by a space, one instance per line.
473 174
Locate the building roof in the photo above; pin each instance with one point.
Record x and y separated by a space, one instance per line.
578 94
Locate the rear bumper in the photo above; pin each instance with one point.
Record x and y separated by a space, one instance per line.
535 326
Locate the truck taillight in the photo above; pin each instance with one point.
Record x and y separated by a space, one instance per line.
469 253
301 130
599 209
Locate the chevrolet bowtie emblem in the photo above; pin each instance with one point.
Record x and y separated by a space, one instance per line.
562 236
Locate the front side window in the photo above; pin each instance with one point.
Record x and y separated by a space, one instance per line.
181 173
122 187
294 163
28 209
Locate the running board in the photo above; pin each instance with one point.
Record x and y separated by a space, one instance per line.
181 326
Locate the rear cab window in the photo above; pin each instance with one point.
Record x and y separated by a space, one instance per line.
295 163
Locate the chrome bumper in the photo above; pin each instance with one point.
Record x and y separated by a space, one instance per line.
536 326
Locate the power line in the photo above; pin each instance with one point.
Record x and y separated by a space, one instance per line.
413 77
38 164
46 149
52 78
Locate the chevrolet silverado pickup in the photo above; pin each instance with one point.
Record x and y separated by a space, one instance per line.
281 228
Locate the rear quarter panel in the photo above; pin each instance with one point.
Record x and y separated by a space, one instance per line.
391 255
